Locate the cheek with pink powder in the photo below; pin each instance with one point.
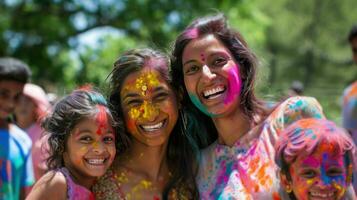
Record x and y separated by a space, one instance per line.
234 84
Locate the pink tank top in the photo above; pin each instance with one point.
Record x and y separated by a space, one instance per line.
75 191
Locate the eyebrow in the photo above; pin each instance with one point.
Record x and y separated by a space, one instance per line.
210 54
130 94
159 88
188 62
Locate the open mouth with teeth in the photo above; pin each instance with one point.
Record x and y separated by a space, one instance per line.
214 92
322 195
96 161
153 127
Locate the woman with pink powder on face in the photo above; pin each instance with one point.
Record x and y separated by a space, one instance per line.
215 70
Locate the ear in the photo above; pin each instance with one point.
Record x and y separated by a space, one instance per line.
285 183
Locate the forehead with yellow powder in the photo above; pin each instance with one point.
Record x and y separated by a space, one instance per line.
146 81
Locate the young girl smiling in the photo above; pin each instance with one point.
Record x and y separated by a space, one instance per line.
82 146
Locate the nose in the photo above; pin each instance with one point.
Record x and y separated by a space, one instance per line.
207 73
150 111
323 182
98 147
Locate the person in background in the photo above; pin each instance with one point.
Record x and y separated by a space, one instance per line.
349 98
32 107
16 173
296 89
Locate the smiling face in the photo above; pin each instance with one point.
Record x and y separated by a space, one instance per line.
321 175
90 147
211 76
149 106
10 92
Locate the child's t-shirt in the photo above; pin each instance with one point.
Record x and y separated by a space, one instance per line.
247 169
15 162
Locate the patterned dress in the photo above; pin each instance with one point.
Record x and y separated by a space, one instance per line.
247 169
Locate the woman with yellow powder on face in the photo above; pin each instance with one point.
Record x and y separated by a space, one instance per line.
156 158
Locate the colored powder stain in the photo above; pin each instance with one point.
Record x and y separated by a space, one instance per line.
199 105
253 165
122 178
264 179
83 149
146 184
95 145
192 33
156 198
276 196
202 57
101 119
146 111
146 81
249 185
234 85
341 190
325 179
311 161
310 181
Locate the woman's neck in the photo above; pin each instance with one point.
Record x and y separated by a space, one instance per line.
232 127
148 161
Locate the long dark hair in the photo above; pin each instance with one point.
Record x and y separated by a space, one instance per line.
182 151
70 110
233 40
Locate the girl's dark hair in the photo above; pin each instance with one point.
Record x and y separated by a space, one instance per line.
182 151
67 112
233 40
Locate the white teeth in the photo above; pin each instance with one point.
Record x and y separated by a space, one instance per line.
95 161
213 91
152 127
322 195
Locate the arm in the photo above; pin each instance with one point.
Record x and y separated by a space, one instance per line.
53 184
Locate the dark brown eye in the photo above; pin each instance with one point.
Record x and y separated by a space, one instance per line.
220 61
85 139
308 173
191 69
335 171
134 102
161 96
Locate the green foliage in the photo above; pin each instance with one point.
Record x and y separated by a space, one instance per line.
294 40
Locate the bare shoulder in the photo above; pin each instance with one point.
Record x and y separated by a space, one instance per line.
52 184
